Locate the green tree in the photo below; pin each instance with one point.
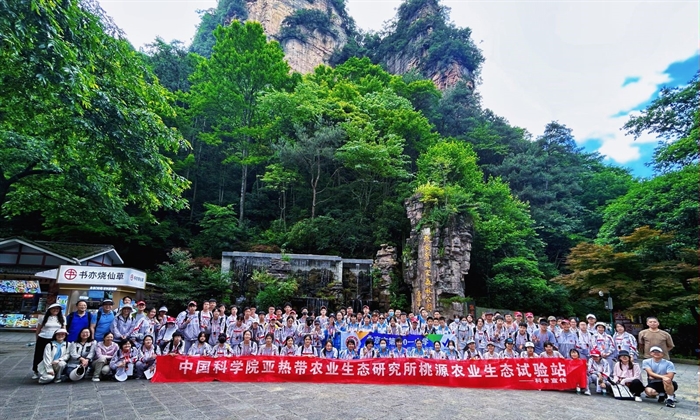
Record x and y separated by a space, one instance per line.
505 267
82 132
311 152
172 63
224 12
273 291
675 118
226 89
668 202
551 175
220 231
278 178
183 279
646 273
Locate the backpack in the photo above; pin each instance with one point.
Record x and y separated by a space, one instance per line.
99 315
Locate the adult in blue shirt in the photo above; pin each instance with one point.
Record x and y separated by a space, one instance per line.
102 322
541 336
660 373
76 321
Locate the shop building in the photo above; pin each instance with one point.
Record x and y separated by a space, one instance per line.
34 274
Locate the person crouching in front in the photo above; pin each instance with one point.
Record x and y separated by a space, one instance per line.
55 358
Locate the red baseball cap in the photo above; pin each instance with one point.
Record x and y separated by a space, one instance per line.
140 303
528 315
518 314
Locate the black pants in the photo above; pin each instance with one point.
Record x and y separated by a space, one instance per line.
39 348
636 387
658 386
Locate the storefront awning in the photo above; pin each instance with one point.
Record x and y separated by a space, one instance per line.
19 286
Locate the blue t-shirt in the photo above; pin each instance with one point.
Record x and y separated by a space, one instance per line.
103 324
77 323
661 368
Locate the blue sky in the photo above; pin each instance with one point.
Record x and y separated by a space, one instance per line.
586 64
679 73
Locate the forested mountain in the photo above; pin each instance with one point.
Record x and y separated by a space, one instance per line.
223 147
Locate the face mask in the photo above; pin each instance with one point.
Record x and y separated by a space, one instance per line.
452 347
391 314
382 346
464 322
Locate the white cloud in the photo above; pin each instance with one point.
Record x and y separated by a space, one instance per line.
545 60
143 20
567 61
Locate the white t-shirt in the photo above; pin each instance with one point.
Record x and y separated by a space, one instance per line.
50 327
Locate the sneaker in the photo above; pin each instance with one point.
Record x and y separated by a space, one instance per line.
95 379
638 398
670 403
662 398
587 392
35 375
57 381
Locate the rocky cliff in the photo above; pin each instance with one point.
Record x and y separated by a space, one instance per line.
308 39
422 40
312 32
436 260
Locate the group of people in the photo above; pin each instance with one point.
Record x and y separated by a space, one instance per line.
124 343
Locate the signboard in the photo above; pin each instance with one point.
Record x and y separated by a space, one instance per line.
19 286
559 374
101 276
63 301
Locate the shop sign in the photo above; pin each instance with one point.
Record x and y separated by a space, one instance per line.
19 286
101 276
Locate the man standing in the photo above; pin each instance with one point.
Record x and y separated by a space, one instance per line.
541 336
591 319
567 340
102 322
654 337
660 373
188 324
76 321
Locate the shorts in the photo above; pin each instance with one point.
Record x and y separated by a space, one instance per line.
658 386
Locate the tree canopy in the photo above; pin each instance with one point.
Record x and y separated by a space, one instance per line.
82 120
221 147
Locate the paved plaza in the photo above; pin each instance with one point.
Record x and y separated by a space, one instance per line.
22 398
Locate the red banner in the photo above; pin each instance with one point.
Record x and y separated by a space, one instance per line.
504 373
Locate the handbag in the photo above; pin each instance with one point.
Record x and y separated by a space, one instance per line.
619 391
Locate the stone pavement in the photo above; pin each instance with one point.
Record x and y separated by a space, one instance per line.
22 398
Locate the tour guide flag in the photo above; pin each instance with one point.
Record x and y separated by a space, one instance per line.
540 373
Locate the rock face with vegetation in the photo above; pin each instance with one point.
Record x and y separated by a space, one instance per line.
422 40
309 31
386 265
436 260
312 32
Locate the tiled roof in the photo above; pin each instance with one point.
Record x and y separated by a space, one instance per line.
69 250
74 250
